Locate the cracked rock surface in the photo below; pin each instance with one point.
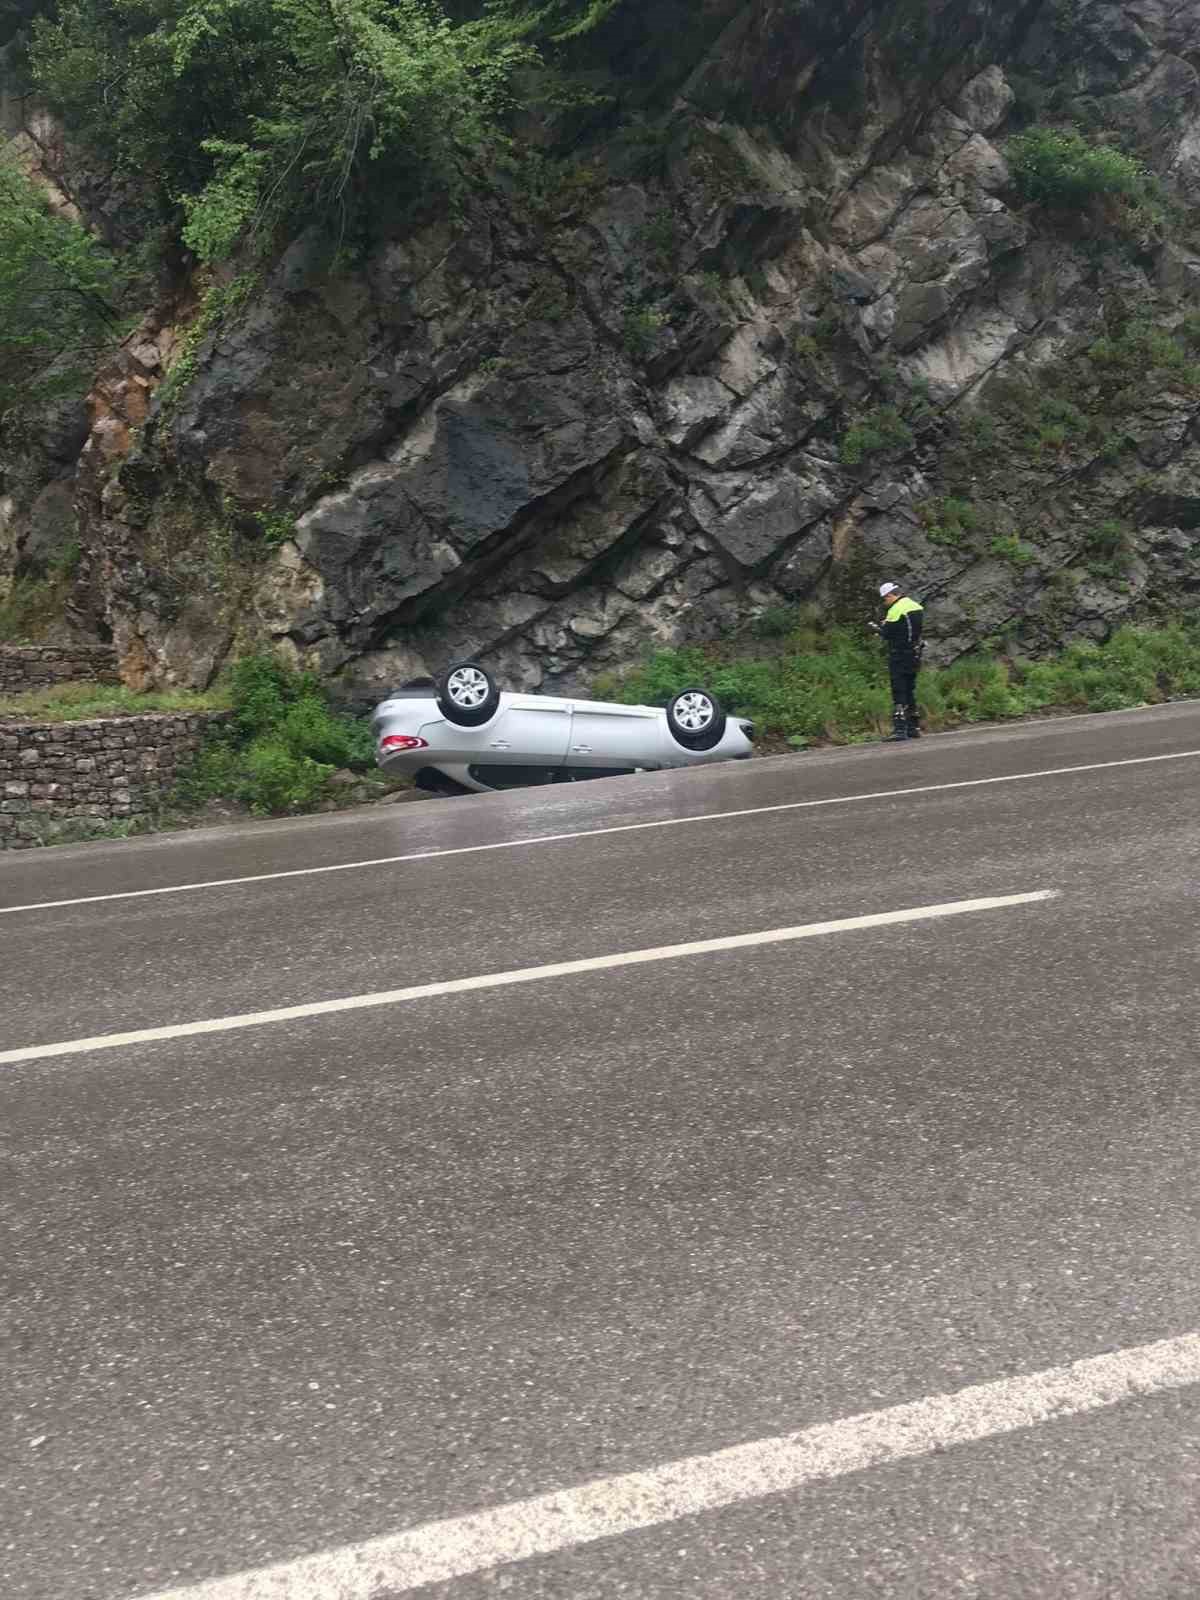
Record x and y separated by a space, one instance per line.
819 339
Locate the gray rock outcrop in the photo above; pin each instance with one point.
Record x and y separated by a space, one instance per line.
814 338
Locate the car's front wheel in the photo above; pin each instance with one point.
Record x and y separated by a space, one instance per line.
467 695
695 719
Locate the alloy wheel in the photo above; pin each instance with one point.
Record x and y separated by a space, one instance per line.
467 687
694 712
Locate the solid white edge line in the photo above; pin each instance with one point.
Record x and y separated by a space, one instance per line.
496 980
593 833
436 1552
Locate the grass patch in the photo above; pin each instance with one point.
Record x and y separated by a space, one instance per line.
1077 406
1008 547
882 429
87 830
1054 423
950 521
79 702
1127 359
828 684
1108 550
1137 666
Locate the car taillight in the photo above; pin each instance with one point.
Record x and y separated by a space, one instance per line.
402 741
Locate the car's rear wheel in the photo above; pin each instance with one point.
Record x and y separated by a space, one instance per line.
467 695
695 719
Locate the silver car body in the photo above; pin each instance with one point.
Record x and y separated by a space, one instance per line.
535 739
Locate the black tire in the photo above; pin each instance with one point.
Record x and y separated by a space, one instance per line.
695 719
467 694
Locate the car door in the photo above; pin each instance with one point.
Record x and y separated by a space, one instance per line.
526 743
531 730
614 738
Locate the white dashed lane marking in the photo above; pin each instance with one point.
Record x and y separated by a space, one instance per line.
498 980
438 1551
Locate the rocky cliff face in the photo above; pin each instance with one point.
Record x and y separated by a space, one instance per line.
790 332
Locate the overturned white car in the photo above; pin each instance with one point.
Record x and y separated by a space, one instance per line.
461 733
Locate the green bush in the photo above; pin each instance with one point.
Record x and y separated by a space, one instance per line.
59 292
977 688
283 742
883 429
220 302
274 778
663 234
949 521
1135 667
804 346
1059 167
776 622
1139 349
1055 421
1008 547
1108 539
311 729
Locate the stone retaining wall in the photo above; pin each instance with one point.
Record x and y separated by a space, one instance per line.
34 666
62 779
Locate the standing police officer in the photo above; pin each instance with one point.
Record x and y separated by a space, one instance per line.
901 633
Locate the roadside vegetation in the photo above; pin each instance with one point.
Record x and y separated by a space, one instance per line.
282 745
282 749
806 683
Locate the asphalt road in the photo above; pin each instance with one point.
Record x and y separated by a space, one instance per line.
279 1290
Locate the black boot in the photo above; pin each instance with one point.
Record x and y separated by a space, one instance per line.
912 721
899 733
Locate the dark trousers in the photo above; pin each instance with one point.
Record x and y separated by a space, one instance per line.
903 672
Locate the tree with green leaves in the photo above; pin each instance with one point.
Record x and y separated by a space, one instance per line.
364 92
248 115
552 21
58 289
